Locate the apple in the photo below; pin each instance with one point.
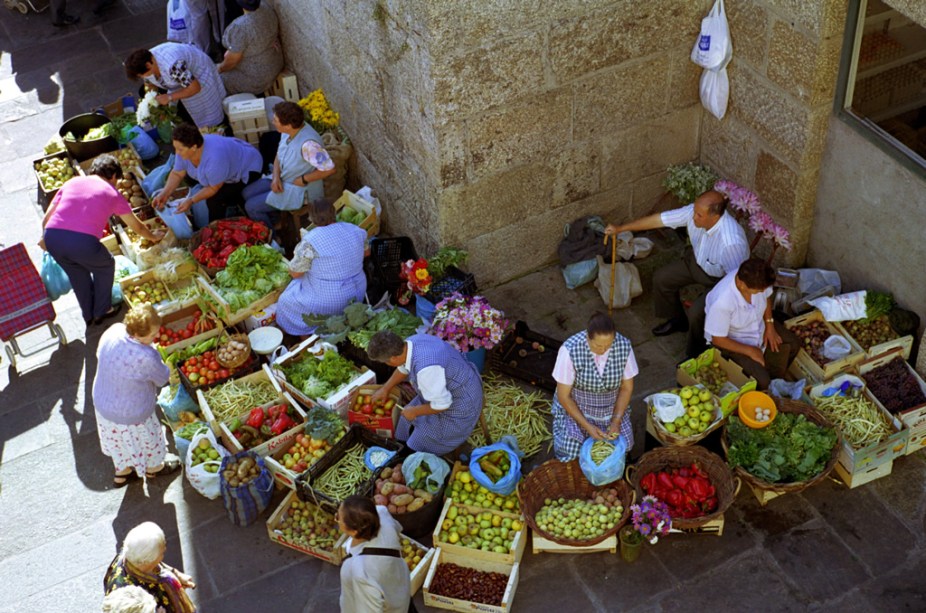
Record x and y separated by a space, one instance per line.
670 427
686 393
693 423
680 422
706 417
693 411
685 431
704 395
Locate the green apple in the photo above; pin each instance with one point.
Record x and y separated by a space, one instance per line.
693 411
680 422
704 395
685 431
693 423
670 427
706 417
686 393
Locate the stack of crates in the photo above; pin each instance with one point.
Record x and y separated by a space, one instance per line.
248 119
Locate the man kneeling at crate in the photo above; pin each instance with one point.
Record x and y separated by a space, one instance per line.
449 387
738 321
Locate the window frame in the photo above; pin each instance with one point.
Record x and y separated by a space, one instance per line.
845 85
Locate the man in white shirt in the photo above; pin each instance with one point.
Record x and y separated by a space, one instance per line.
718 247
739 322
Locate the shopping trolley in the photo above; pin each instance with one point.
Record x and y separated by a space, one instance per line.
24 303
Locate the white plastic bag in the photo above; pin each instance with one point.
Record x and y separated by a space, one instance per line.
642 247
836 347
845 307
713 47
626 283
715 91
206 483
668 407
179 22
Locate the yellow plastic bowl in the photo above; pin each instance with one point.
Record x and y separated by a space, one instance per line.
747 408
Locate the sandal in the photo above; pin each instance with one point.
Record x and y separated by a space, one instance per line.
123 480
171 464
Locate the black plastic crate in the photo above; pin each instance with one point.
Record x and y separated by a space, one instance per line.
387 256
355 434
536 367
455 280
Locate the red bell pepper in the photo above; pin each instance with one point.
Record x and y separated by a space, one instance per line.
680 481
256 417
648 483
283 423
665 480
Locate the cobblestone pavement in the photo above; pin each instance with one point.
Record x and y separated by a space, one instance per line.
826 549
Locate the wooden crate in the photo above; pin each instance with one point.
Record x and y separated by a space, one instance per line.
715 527
340 400
208 412
453 604
853 480
49 194
179 319
248 116
273 523
224 309
763 497
542 545
352 200
685 375
805 364
913 418
186 271
517 546
420 572
146 276
862 460
383 425
285 86
133 250
111 242
133 166
903 343
285 477
273 445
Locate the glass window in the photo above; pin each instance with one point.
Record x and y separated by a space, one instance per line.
886 88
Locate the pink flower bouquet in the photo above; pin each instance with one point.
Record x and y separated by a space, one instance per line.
469 322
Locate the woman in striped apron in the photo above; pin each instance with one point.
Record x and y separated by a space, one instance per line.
594 381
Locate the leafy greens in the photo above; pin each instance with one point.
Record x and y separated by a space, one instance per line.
320 378
251 273
790 449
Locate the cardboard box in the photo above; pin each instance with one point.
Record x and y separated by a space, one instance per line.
275 532
340 400
383 425
453 604
914 418
854 480
686 375
856 461
804 366
517 545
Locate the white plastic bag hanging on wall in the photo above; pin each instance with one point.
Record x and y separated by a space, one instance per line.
713 51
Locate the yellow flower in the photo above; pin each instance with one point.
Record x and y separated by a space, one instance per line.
421 274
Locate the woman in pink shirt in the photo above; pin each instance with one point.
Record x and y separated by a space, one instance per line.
73 227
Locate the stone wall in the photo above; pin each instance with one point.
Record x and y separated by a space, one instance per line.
488 124
782 83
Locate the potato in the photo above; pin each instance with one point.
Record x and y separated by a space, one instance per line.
379 484
401 500
423 495
387 488
234 482
416 504
397 477
401 489
381 500
400 510
391 508
387 473
138 201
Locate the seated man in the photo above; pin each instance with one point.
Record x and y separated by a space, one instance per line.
739 323
449 388
718 247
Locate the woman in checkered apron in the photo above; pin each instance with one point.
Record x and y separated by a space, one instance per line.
594 381
327 271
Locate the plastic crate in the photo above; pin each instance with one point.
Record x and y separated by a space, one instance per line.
536 367
386 256
454 281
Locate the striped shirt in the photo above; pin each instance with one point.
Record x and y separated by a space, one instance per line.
717 251
182 64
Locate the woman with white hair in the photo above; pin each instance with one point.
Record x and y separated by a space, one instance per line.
141 563
130 599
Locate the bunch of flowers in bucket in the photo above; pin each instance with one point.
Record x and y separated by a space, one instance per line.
319 113
469 322
421 273
152 114
650 519
745 206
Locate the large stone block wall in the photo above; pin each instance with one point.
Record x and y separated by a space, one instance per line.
782 83
488 124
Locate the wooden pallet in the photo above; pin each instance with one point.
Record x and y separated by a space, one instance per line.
542 545
715 526
763 496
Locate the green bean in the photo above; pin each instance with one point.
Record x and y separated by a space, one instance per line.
508 409
857 418
601 450
235 397
342 479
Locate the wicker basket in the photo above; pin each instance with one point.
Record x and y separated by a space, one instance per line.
665 458
790 406
555 479
241 338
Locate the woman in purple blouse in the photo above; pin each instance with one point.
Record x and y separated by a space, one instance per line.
128 376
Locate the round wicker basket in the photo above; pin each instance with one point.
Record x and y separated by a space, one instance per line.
244 356
665 458
555 479
789 406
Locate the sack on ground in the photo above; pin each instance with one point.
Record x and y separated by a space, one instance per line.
204 477
340 153
53 276
626 283
439 469
580 273
611 468
245 503
484 459
844 307
174 399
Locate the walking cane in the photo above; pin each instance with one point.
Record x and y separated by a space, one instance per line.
613 269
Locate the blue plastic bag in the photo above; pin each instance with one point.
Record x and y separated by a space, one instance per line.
374 458
53 276
179 223
611 468
507 483
145 146
245 503
580 273
157 178
439 470
124 268
173 403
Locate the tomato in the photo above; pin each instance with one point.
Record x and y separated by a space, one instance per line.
194 378
192 361
213 365
190 326
223 373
